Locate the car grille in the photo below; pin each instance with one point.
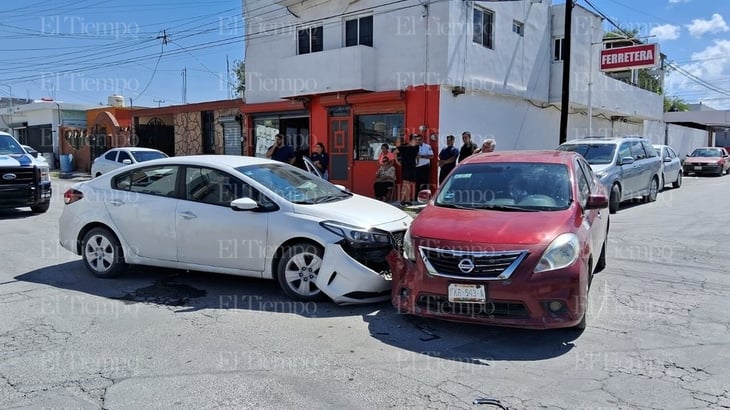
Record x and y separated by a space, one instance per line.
396 239
438 304
471 265
23 176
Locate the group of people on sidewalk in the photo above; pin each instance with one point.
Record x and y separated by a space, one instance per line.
414 159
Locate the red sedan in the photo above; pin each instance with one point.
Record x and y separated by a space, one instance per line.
707 160
510 239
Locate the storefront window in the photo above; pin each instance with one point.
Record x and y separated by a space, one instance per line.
374 130
264 131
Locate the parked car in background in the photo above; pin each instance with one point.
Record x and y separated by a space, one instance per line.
511 238
628 167
236 215
119 157
707 160
671 167
25 180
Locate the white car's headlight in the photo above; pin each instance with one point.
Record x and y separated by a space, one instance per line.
45 174
563 251
408 250
357 235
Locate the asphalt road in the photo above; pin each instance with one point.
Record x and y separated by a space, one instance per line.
658 335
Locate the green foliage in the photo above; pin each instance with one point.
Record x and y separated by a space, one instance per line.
675 104
239 71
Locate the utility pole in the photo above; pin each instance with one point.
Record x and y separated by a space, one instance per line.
185 85
565 101
158 102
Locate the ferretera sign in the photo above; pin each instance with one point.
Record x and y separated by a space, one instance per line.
631 57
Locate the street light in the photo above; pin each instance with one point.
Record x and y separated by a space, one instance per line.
12 108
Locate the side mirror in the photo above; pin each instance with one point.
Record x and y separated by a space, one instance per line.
627 160
126 161
597 201
424 196
34 154
244 204
342 188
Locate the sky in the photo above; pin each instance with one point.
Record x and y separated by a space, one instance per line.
82 51
693 34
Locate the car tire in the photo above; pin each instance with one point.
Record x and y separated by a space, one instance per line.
297 271
102 253
40 208
678 182
614 199
653 190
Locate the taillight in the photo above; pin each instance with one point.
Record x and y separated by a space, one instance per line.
71 196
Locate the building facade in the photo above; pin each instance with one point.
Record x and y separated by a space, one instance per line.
355 75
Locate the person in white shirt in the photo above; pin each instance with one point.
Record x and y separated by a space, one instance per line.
423 166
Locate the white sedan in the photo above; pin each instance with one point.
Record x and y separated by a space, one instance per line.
119 157
236 215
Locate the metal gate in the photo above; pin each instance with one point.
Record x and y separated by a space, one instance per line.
232 138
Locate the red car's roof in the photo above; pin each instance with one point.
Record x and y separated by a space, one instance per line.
540 156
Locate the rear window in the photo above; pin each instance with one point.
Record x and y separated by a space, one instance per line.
595 154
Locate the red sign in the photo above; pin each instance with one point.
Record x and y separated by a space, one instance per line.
631 57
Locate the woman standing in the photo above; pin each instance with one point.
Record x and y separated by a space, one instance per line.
321 160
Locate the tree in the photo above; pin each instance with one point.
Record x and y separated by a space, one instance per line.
675 104
239 71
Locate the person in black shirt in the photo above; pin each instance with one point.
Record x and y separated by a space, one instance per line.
408 155
321 160
447 158
468 148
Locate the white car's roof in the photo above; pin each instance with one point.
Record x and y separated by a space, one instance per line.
232 161
134 149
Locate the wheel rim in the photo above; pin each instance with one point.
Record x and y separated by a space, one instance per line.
653 189
99 253
615 196
679 180
301 273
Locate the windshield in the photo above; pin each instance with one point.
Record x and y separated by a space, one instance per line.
595 154
706 153
507 187
141 156
8 145
294 184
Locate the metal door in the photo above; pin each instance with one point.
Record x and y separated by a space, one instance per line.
340 152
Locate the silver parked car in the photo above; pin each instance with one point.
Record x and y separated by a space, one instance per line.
671 167
628 167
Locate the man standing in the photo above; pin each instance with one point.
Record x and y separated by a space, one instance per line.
423 166
281 152
468 148
447 158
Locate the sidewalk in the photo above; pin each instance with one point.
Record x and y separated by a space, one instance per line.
75 175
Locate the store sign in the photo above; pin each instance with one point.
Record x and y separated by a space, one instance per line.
629 58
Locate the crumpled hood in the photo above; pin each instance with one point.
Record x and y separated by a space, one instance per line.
490 227
356 210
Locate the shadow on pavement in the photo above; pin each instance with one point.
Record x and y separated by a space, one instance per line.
187 291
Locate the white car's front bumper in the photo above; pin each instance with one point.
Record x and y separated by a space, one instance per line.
347 281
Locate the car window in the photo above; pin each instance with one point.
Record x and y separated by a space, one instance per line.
706 152
122 156
648 149
625 150
637 150
590 176
216 187
584 189
158 180
142 156
596 154
111 155
293 184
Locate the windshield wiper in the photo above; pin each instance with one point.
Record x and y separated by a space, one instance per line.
455 206
304 202
328 198
505 208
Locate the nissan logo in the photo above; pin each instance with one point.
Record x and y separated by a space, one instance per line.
9 177
466 265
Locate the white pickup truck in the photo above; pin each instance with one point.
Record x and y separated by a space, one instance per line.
24 179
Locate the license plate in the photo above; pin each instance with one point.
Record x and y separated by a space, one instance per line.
467 293
698 168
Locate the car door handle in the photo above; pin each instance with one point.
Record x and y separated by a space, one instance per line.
116 202
188 215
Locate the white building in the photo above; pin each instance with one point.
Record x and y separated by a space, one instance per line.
355 75
37 123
